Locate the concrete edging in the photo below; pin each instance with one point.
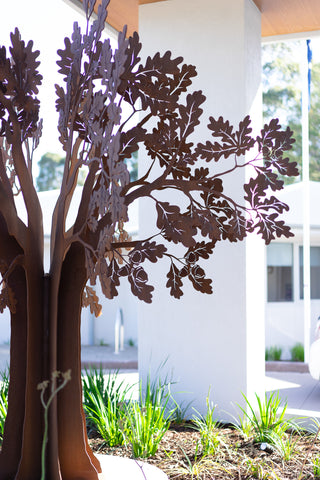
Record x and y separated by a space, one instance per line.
282 366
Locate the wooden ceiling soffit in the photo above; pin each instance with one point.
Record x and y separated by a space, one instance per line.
278 17
123 12
284 17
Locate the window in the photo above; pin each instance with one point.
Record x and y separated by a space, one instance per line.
314 272
280 272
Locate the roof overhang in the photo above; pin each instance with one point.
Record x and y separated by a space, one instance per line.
278 17
288 17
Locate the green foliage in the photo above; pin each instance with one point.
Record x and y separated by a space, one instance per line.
132 165
4 388
50 175
297 353
148 419
316 467
286 445
273 353
207 427
105 404
282 98
179 414
194 468
268 423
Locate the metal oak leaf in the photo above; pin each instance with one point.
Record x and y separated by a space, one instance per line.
91 299
174 281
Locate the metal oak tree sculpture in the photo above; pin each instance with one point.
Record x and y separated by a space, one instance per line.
94 131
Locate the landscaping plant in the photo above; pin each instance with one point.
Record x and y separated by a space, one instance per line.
105 401
4 387
316 467
268 423
148 419
273 353
206 425
96 134
297 353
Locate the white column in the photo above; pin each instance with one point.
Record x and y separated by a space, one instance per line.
306 202
210 340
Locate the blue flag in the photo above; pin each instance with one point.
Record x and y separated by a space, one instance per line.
309 53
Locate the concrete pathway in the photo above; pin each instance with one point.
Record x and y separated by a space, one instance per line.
94 356
300 390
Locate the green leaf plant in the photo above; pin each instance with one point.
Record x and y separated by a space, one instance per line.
267 423
206 425
4 388
149 418
105 401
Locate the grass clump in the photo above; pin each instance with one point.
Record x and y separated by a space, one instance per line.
273 353
268 424
206 425
4 389
148 419
105 405
297 353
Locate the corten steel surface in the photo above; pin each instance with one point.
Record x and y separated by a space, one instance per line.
45 308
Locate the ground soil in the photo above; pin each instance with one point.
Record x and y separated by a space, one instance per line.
236 457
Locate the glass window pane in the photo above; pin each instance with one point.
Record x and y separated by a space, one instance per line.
279 255
314 272
280 272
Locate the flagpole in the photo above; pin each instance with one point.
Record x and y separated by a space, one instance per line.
306 72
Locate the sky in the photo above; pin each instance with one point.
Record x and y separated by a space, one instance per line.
47 23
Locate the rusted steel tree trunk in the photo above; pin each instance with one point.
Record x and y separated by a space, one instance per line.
93 126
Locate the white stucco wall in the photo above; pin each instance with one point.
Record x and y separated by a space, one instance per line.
216 339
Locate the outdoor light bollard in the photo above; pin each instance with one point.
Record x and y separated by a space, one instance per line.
118 332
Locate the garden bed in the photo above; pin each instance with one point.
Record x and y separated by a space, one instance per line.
180 457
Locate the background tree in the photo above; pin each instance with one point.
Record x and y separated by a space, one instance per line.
282 98
50 175
45 307
51 167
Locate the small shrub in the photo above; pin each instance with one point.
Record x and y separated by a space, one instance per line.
273 353
297 353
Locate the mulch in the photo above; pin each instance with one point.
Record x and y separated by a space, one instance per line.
236 457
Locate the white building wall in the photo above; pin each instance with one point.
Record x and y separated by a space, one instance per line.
216 339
